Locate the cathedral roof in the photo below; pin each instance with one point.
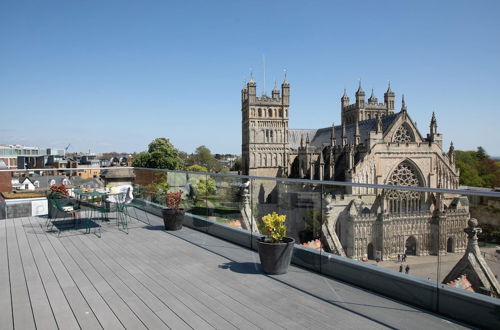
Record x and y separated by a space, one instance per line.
319 137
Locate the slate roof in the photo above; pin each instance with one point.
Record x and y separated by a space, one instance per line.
319 137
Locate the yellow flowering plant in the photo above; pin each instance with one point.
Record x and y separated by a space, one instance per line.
273 226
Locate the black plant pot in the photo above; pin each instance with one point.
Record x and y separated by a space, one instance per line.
276 257
173 218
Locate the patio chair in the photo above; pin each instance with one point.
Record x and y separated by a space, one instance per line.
64 207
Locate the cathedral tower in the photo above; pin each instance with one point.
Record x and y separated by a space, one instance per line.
265 130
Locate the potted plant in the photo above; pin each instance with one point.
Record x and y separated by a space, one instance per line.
173 215
275 249
59 192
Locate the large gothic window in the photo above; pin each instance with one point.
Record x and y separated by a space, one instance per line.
403 135
404 201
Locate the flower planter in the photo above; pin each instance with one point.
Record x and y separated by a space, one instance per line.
172 219
275 257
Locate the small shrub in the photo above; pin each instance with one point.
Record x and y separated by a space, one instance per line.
273 226
174 199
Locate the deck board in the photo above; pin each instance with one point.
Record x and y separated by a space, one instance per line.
21 303
5 293
42 310
81 309
151 279
63 313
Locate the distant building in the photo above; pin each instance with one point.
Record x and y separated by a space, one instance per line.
374 145
5 178
9 154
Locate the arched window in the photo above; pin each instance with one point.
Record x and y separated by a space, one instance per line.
52 182
260 112
270 112
403 135
404 201
281 112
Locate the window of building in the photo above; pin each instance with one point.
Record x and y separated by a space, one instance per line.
403 135
404 201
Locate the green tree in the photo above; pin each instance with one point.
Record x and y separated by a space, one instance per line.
196 168
237 165
477 168
205 187
203 156
161 154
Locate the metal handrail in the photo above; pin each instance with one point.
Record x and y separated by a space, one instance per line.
287 180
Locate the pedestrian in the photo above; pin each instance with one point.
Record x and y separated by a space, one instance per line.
399 257
407 269
377 259
401 268
404 257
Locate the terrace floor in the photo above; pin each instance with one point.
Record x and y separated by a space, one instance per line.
181 280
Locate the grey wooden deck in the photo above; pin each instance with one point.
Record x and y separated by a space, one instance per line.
154 279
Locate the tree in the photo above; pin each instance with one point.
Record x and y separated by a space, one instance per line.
203 156
237 165
205 187
196 168
477 169
161 154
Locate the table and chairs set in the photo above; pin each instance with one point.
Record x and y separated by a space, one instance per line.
89 209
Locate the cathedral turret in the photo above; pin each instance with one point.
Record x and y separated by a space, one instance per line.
276 91
373 99
344 135
244 93
332 136
389 99
378 128
433 127
451 153
360 96
252 89
357 136
403 104
344 100
285 92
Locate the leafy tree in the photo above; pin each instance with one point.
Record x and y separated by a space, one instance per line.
205 187
161 154
203 156
477 168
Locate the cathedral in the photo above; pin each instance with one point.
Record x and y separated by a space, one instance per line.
374 144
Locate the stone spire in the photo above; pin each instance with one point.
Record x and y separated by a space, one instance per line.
344 100
302 140
251 78
344 135
451 153
389 99
378 128
433 126
360 96
276 92
357 136
389 90
403 104
473 267
332 136
372 98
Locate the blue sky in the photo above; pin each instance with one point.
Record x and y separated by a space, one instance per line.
113 75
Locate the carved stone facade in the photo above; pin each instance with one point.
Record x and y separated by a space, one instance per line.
372 145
